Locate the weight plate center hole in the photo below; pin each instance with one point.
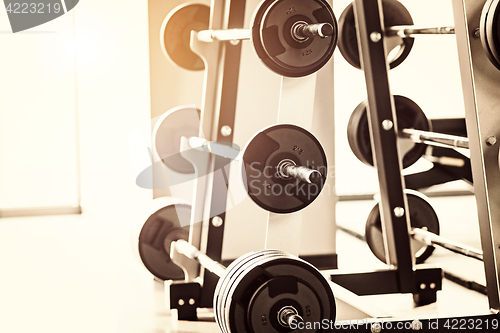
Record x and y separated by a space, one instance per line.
287 315
296 31
281 169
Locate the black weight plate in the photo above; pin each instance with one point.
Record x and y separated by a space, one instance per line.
260 161
176 34
276 294
395 13
409 115
167 133
421 215
274 281
271 36
489 31
232 271
159 230
493 31
247 272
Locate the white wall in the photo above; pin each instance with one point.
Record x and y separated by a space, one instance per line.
113 96
38 138
39 107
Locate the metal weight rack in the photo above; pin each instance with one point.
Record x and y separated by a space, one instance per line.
222 63
218 110
402 276
478 76
221 91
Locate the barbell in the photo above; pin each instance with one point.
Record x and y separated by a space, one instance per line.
265 291
414 132
424 231
400 32
286 169
293 38
162 227
262 291
489 31
284 166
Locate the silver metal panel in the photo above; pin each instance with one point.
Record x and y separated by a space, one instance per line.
481 87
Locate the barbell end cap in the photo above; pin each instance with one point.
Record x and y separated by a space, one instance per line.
315 177
295 320
205 36
325 30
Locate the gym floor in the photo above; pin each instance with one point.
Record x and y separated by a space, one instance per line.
77 273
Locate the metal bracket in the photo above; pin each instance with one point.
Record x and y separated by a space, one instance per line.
184 297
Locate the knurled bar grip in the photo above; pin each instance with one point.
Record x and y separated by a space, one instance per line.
430 238
192 252
435 139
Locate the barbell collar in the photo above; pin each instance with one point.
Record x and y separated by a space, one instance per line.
288 316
